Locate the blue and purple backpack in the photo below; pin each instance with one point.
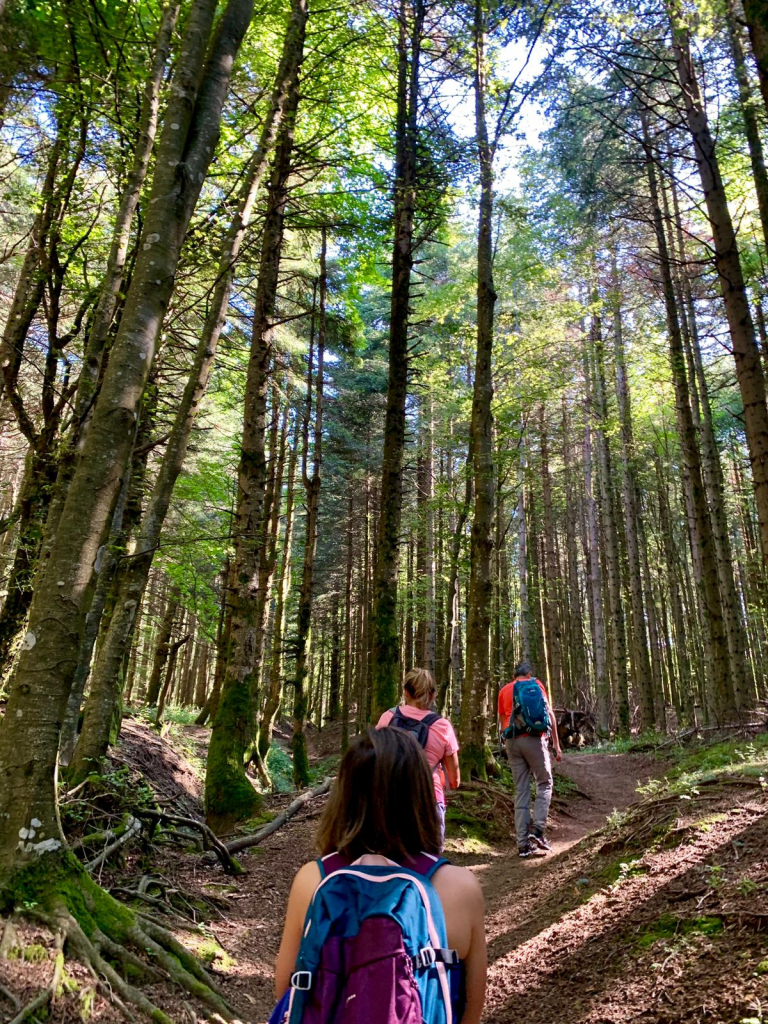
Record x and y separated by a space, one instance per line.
374 949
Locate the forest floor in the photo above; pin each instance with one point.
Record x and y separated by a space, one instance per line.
650 908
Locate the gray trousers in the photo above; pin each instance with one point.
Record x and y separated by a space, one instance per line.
529 756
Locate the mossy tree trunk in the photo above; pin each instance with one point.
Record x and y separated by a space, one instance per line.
229 795
43 677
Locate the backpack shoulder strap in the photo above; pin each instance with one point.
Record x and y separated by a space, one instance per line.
426 864
430 719
332 862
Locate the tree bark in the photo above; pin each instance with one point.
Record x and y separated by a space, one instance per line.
610 533
746 354
756 17
718 675
229 795
474 705
46 667
749 114
642 662
312 487
597 617
385 658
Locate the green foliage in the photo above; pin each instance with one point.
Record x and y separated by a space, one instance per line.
668 927
280 768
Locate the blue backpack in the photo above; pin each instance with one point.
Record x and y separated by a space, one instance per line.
373 949
530 714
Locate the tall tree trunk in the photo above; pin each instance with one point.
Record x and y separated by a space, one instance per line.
43 676
610 533
348 623
553 615
385 660
129 201
756 17
452 601
740 672
642 662
749 114
597 617
578 675
522 549
283 585
425 561
312 487
474 705
718 675
162 647
749 371
229 795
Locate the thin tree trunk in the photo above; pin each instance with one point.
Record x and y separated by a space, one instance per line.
474 705
129 201
385 658
749 372
718 676
283 585
597 618
756 17
629 502
610 534
312 488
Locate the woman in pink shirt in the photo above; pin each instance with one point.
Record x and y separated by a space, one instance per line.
433 732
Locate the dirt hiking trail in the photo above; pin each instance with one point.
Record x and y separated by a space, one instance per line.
251 935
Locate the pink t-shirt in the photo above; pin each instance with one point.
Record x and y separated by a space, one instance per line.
442 742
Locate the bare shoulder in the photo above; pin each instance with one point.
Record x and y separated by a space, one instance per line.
305 882
462 883
307 873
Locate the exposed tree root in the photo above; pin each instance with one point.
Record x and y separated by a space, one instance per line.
109 938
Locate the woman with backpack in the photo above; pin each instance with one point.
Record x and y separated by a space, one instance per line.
526 721
434 734
382 930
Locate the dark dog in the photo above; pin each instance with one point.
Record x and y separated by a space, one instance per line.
575 728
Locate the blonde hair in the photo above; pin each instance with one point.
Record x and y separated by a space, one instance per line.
419 684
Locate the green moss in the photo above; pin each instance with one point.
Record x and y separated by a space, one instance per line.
60 880
210 952
34 954
762 967
669 927
474 759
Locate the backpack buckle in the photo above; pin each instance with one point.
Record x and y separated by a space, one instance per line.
426 957
301 980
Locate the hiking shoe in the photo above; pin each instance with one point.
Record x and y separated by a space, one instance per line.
539 840
529 851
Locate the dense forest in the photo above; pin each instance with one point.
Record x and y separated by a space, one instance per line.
341 338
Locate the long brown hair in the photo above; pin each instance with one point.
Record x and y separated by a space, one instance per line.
382 801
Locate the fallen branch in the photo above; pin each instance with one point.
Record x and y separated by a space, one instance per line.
9 996
304 798
222 851
132 828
